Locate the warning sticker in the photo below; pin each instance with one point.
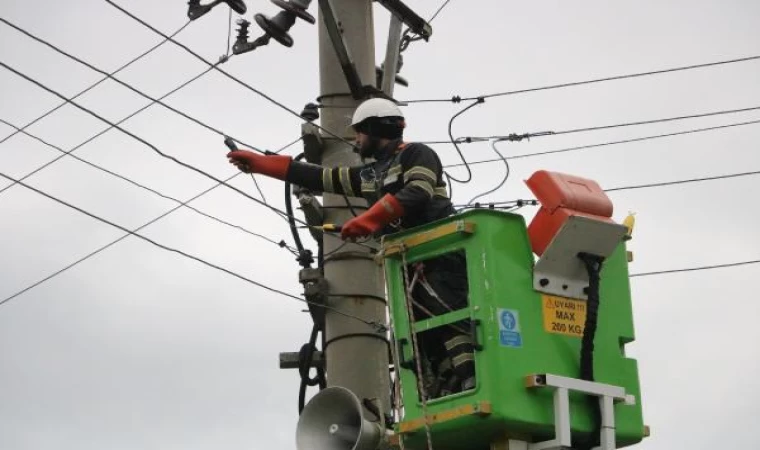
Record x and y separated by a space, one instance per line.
564 315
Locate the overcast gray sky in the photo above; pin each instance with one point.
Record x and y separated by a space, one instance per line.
138 348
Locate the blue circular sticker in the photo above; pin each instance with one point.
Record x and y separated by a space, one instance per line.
508 320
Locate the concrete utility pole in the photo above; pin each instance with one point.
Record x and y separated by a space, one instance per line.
355 359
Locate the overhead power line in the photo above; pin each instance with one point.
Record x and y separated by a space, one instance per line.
110 75
457 99
693 269
676 182
604 144
180 252
438 11
226 74
281 243
153 147
105 247
94 85
127 85
520 137
652 121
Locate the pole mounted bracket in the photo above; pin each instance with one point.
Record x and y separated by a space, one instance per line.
312 143
358 90
411 19
316 291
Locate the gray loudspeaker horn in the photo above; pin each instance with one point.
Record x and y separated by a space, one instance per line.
333 420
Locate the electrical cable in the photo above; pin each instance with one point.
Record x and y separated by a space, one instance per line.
179 252
127 85
652 121
693 269
624 141
141 186
506 174
406 39
226 74
105 247
691 180
519 137
305 360
155 149
593 264
444 5
457 99
292 223
107 75
459 151
97 83
105 130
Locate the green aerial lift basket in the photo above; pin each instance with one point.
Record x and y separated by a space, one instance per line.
521 334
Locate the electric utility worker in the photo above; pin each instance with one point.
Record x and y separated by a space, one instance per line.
404 187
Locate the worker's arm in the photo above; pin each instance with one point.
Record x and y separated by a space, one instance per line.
421 174
422 171
338 180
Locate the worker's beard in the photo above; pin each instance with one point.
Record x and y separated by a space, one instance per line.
369 147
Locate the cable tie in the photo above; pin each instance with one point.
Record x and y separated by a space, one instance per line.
456 99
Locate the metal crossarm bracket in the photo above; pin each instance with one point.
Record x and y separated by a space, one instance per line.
390 68
417 24
344 57
608 395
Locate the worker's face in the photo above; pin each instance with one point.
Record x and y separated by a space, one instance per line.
366 145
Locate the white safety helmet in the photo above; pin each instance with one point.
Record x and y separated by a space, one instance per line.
375 107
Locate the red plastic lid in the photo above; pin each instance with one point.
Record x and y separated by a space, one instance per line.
558 190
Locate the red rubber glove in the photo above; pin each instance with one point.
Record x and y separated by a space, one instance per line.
275 166
385 211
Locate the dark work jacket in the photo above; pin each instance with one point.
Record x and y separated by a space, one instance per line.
413 173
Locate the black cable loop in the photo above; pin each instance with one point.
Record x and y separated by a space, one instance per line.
456 146
305 263
593 266
305 360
